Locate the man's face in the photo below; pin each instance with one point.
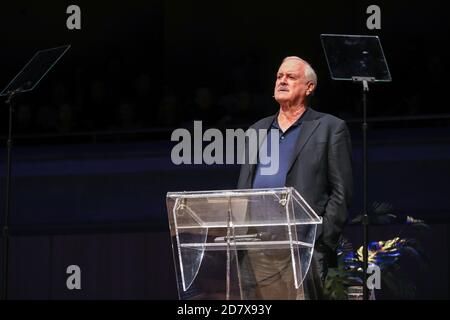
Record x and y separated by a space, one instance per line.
291 86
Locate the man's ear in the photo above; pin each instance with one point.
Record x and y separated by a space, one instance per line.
310 88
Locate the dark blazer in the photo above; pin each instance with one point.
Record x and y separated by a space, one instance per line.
321 171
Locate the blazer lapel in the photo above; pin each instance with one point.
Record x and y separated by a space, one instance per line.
252 166
308 126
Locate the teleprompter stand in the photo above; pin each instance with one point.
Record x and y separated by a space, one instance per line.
26 80
361 59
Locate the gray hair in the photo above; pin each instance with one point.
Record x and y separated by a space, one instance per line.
310 74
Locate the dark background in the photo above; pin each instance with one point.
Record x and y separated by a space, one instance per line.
91 160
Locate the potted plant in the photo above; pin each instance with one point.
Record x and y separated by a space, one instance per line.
346 280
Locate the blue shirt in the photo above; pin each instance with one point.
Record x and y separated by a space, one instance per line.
288 141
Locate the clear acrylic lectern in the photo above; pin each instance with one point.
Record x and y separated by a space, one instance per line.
241 244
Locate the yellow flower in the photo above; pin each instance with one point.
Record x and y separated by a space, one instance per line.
383 246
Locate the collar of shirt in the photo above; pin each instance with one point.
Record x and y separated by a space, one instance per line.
275 124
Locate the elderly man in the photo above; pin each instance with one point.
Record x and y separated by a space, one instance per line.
315 159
